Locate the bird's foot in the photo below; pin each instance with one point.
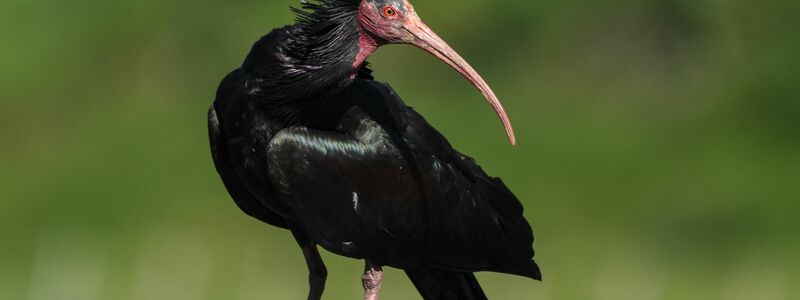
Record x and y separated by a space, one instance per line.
373 276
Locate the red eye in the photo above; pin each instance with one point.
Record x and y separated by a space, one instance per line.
389 12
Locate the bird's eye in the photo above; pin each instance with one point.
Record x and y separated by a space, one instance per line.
389 12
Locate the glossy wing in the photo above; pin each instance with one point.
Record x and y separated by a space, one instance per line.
387 186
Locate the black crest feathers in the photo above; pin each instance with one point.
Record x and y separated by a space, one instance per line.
328 27
312 56
310 12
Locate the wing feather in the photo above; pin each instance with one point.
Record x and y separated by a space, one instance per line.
396 191
243 198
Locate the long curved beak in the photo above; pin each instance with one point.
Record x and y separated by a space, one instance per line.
422 36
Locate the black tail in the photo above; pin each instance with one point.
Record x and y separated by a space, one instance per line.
435 284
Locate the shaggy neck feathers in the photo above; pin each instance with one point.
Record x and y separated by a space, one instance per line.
317 56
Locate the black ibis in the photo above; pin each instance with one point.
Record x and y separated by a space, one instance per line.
304 138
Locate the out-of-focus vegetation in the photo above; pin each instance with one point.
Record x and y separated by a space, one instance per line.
658 157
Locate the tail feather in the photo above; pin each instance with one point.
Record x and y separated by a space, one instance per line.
435 284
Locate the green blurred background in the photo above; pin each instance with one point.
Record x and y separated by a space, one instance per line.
658 157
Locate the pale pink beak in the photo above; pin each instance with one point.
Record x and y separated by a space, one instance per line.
423 37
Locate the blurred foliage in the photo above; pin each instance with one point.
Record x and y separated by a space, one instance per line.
658 157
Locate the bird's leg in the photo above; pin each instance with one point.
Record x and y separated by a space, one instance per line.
373 276
317 273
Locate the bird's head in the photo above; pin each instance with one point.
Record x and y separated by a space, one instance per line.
396 22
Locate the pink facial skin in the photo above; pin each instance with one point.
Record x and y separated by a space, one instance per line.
377 29
368 25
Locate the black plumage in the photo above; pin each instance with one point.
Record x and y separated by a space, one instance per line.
305 140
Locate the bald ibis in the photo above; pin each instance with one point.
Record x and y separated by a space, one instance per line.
304 138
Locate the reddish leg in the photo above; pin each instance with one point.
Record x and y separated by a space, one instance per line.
373 276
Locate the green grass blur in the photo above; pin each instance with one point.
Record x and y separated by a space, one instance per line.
658 156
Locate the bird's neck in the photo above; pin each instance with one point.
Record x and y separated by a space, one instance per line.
367 44
311 60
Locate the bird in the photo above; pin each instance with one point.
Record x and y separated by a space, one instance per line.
305 138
